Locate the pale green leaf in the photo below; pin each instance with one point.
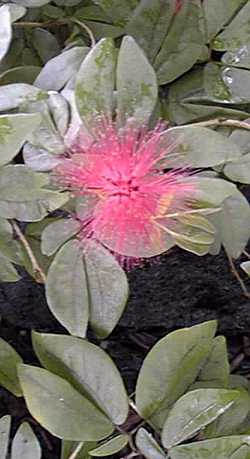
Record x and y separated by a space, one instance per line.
14 131
136 83
58 407
170 368
88 368
4 435
217 14
25 444
66 289
234 447
237 33
60 69
183 44
111 446
58 232
5 30
149 24
108 289
95 82
147 445
193 411
9 359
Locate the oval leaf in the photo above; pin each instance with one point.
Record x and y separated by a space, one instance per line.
170 368
148 446
234 447
66 289
111 447
58 407
137 87
55 234
14 130
9 359
4 435
25 444
95 82
88 368
108 289
5 30
192 412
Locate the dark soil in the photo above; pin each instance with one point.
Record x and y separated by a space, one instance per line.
178 290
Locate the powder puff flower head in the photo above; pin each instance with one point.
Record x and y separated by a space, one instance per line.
126 193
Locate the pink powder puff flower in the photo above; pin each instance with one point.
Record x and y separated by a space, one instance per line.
126 193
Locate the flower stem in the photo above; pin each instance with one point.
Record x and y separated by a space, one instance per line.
76 450
223 122
38 272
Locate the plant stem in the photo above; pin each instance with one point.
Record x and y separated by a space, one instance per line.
38 272
76 450
236 274
223 122
59 23
87 29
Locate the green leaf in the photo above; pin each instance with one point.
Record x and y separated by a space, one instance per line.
233 223
4 435
25 444
58 407
60 69
111 446
68 447
202 147
183 44
45 44
237 33
20 74
239 57
192 97
170 368
149 24
217 14
216 369
38 159
66 289
148 446
14 130
58 232
9 359
5 30
234 447
95 82
239 170
33 3
7 271
106 304
23 197
117 10
193 411
14 95
229 423
246 267
88 368
136 83
16 11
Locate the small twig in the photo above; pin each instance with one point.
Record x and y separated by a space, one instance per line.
87 29
223 122
39 274
236 362
246 254
236 274
44 25
76 450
